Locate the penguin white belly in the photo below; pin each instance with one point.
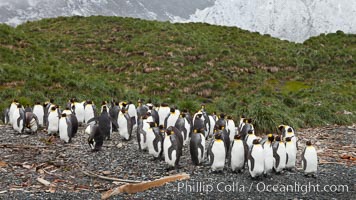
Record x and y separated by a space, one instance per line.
63 129
282 158
89 113
268 158
122 122
88 129
150 136
172 119
79 112
39 112
53 122
257 154
11 113
162 114
218 149
166 144
231 127
311 158
17 127
237 155
145 128
212 125
291 152
187 127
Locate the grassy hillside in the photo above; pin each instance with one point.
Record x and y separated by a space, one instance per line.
232 70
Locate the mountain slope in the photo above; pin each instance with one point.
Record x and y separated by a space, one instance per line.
232 70
295 20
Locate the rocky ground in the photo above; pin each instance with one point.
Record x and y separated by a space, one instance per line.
42 167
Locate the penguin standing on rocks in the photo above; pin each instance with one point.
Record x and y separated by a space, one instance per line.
19 119
32 122
96 138
163 112
89 111
141 109
153 112
172 117
142 129
65 128
73 119
125 124
38 110
198 122
131 110
310 160
238 154
114 113
12 109
226 138
279 155
268 154
197 147
47 109
288 131
291 151
217 153
104 124
52 121
172 146
256 159
154 140
183 125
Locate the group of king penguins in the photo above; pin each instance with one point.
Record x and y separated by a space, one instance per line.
164 131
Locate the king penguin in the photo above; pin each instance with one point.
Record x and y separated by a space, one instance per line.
38 110
212 120
96 138
246 127
197 147
183 125
172 146
238 154
32 122
19 119
250 138
256 159
65 128
79 111
217 153
279 155
268 154
125 124
288 131
132 111
12 109
104 123
310 160
52 122
154 140
142 129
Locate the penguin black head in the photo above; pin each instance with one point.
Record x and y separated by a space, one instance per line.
217 136
288 139
161 128
280 127
169 131
249 121
37 103
229 117
105 109
309 143
53 108
103 103
256 141
237 137
278 138
130 102
150 107
173 110
164 104
183 115
199 115
123 110
250 131
270 137
222 116
117 104
19 105
51 100
243 116
64 115
15 101
89 102
124 104
214 113
57 106
185 110
152 124
290 130
72 100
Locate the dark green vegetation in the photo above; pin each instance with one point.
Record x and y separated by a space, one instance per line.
231 70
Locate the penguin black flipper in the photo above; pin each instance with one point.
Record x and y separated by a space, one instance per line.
170 150
129 124
155 143
229 153
69 129
74 122
251 159
286 158
210 153
304 160
114 122
194 152
275 154
93 119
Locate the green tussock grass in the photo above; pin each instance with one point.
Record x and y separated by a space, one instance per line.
231 70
